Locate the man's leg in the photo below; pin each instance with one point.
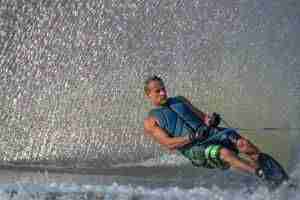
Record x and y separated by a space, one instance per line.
246 147
235 162
233 141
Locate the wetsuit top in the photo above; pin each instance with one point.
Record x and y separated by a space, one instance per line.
176 117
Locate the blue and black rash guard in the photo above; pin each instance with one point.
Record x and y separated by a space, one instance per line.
176 117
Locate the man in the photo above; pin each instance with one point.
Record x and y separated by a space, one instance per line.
176 124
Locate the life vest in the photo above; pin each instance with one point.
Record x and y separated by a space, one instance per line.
176 117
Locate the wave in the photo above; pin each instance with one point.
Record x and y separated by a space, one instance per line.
222 186
128 192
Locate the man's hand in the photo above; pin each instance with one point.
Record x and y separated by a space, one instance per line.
199 135
215 120
211 121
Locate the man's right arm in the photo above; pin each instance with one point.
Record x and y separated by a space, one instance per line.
161 136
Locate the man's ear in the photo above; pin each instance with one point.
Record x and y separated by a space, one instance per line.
147 95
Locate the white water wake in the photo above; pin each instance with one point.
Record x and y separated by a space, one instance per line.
44 188
128 192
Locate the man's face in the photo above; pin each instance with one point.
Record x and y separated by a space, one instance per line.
157 93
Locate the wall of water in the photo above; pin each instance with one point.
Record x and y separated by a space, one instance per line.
72 72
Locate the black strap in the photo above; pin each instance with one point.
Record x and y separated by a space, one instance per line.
182 118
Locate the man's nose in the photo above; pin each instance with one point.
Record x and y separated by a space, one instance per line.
162 92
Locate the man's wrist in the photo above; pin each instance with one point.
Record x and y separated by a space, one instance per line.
187 138
206 119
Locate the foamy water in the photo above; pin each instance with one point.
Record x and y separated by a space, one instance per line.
209 185
128 192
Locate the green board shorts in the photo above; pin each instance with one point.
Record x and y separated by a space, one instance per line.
207 154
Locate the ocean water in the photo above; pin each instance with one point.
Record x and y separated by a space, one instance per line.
169 177
72 102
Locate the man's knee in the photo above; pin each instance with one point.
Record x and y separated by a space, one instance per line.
226 154
214 158
244 145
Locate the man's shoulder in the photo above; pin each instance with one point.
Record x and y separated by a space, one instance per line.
181 99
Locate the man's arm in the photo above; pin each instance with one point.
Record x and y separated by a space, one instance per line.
203 116
161 136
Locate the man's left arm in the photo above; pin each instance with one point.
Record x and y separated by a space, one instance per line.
203 116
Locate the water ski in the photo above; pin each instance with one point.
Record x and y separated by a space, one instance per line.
274 174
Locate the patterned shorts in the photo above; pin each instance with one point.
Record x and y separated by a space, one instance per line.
207 154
